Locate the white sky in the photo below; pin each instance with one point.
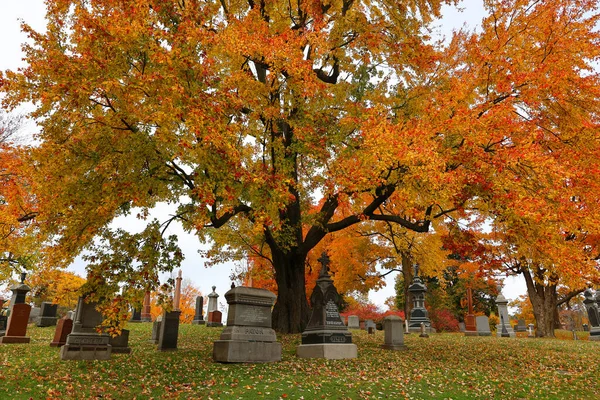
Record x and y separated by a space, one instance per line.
33 12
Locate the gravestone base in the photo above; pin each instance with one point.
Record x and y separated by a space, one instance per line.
595 334
509 329
120 344
241 351
394 347
46 321
198 322
327 350
214 324
14 339
471 333
86 346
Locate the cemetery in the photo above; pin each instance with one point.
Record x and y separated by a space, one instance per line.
387 200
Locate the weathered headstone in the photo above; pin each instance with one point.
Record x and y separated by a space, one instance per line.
521 326
370 324
248 336
84 342
19 290
504 324
470 322
215 319
136 315
120 344
34 315
47 315
419 313
17 325
146 316
353 322
483 326
461 327
169 331
592 306
198 316
326 336
212 301
393 337
156 330
63 328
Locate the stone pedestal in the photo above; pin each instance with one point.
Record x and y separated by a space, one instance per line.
504 325
120 344
47 315
326 336
470 325
248 337
84 342
63 328
169 331
483 326
393 333
17 325
214 319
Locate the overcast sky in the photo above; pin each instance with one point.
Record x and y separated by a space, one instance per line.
33 11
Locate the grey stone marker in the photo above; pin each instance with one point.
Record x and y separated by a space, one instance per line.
47 315
483 326
198 316
461 327
393 337
370 324
530 331
248 337
521 327
423 331
34 315
326 336
353 322
212 301
120 344
169 331
504 324
84 343
592 306
156 330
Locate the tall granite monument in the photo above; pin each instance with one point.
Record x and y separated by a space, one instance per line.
419 313
326 336
503 328
592 306
199 316
248 337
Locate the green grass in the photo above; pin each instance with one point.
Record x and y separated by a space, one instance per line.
443 366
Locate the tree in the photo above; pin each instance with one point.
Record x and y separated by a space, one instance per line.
55 286
245 113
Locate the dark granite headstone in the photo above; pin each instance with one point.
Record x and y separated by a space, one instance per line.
521 326
169 331
199 316
47 315
136 316
120 344
17 325
326 336
63 328
419 313
156 330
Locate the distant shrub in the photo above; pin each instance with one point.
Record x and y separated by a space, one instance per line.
442 320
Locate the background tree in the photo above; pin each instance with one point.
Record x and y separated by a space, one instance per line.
55 286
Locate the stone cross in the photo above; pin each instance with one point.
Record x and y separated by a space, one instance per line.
324 260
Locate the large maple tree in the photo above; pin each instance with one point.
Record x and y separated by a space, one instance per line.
252 112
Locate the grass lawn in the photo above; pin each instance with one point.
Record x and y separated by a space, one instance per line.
444 366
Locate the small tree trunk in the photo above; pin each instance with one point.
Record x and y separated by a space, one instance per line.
407 273
291 311
543 300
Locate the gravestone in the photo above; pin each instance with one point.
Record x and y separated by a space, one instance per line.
418 314
483 326
47 315
592 306
34 314
461 326
370 324
120 344
19 292
169 331
248 337
393 336
215 318
353 322
521 327
146 308
504 324
63 328
198 316
136 316
17 325
212 301
530 331
156 330
84 342
326 336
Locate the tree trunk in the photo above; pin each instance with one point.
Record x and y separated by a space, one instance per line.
543 298
291 311
407 272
